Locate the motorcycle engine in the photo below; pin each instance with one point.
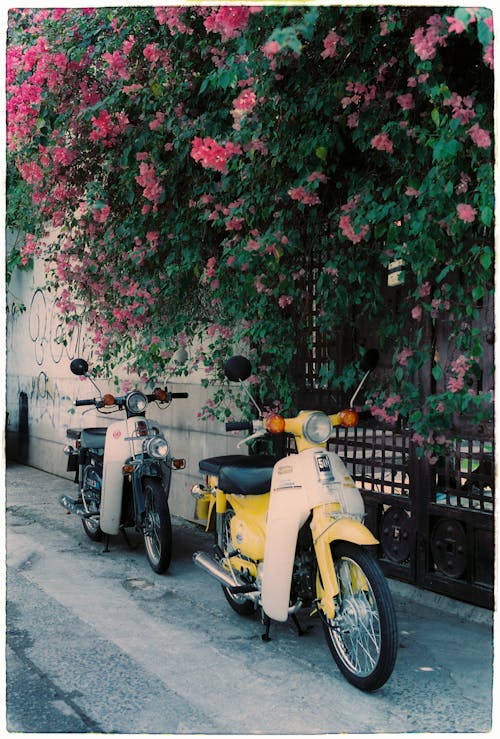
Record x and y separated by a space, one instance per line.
92 484
303 576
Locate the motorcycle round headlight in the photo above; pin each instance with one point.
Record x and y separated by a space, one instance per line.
136 402
157 447
317 428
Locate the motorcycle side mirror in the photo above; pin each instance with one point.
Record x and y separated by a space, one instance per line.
369 361
237 368
79 366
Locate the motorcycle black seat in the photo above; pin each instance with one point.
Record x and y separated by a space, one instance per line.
93 438
241 474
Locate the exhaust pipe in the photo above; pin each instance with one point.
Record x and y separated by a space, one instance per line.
207 563
73 507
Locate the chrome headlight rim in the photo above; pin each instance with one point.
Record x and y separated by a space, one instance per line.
157 447
317 428
136 402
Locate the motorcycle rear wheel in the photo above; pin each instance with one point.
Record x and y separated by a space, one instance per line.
157 526
363 636
238 602
91 502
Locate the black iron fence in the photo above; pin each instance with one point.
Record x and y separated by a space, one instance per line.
435 523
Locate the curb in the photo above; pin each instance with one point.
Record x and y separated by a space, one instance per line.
463 611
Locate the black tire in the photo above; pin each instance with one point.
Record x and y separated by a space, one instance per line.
92 529
157 526
363 636
91 502
238 602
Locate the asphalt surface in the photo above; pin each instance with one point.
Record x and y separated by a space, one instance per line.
97 643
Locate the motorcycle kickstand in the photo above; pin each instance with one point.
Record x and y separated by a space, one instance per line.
106 539
267 624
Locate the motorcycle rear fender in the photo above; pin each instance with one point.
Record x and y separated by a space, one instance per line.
324 532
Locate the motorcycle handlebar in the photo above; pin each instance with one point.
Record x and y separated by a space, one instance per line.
88 401
239 426
179 395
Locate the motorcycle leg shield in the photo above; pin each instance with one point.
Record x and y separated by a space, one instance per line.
279 555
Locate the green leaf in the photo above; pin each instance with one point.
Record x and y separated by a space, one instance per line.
486 215
437 372
478 292
486 260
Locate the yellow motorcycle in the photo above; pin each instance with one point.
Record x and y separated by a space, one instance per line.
290 536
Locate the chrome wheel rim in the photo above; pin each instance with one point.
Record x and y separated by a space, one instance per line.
356 630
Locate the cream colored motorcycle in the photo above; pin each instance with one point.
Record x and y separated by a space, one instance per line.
290 536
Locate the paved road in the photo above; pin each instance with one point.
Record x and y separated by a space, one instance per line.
96 642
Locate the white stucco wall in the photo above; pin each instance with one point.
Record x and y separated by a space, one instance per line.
37 365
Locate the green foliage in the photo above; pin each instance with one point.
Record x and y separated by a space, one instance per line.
197 162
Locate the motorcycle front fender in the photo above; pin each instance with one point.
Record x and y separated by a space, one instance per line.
147 468
324 532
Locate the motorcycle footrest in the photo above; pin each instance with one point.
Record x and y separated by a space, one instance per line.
242 589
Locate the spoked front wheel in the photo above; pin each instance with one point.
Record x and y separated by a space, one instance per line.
157 527
363 636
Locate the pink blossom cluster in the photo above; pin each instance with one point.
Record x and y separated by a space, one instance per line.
347 229
382 412
459 367
212 155
148 180
361 95
403 356
382 142
117 65
462 107
425 41
242 106
480 136
172 17
466 212
106 130
228 21
306 197
330 44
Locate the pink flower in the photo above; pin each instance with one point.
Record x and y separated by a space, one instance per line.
212 155
229 22
479 136
382 142
424 290
416 313
466 212
330 44
348 230
100 215
406 101
270 49
404 356
304 196
285 300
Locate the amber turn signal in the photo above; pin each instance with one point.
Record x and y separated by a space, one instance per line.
108 399
275 424
349 417
178 464
160 394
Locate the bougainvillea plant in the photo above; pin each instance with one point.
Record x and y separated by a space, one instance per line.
210 176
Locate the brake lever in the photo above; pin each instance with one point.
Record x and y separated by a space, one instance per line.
255 435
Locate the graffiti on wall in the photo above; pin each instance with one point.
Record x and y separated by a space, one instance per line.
49 332
54 343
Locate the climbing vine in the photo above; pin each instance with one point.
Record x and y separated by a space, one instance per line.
178 169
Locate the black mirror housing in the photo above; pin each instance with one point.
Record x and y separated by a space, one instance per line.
79 366
237 368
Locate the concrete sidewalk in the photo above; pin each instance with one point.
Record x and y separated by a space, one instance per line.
443 681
